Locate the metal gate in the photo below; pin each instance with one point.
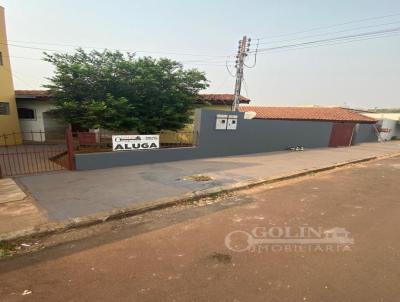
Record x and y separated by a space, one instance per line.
30 153
341 134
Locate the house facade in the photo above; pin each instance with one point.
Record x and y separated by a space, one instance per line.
36 122
8 109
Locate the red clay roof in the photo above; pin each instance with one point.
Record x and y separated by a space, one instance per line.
220 99
213 99
33 93
307 113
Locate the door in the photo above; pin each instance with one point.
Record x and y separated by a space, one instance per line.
341 134
54 129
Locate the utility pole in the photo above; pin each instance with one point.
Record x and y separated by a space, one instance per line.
244 46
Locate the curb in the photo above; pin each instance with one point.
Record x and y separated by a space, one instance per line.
90 220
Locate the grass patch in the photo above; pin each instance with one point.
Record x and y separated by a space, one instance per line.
6 249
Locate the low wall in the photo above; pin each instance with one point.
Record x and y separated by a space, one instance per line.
100 160
251 136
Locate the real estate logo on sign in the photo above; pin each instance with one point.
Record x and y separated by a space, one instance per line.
135 142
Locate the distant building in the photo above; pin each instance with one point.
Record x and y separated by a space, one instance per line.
389 124
8 109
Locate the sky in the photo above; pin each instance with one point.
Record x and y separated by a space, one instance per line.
201 34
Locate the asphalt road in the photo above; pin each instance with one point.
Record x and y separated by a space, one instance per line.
183 257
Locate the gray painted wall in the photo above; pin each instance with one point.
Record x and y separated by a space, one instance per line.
364 133
258 135
252 136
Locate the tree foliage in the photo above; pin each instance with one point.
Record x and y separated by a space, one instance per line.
117 91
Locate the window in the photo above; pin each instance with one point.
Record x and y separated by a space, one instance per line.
4 108
1 58
26 113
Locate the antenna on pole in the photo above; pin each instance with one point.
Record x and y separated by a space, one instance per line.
244 47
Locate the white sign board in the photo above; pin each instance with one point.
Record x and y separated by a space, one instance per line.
135 142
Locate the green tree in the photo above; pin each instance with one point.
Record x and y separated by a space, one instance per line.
117 91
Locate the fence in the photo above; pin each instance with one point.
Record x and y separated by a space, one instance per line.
101 141
33 152
38 151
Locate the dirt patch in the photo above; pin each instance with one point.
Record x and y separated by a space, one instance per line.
18 215
198 177
221 258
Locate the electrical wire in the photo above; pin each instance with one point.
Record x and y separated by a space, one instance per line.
195 62
222 84
245 88
18 77
255 56
227 68
101 48
331 26
329 33
340 38
334 43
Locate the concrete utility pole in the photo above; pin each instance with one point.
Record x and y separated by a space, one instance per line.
244 45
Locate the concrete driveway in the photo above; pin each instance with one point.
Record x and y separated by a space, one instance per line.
74 194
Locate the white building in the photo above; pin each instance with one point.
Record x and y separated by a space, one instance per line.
36 123
389 122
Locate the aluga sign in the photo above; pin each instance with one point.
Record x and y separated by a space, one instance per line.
135 142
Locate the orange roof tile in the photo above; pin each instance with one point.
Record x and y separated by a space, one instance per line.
33 93
307 113
213 99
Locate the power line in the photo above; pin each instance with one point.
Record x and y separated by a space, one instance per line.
16 76
336 43
54 50
26 58
227 68
331 26
332 32
340 38
245 88
221 85
195 62
255 56
101 48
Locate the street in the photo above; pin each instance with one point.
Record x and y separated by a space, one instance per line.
181 254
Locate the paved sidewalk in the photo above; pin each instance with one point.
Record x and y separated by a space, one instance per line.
17 211
74 194
9 191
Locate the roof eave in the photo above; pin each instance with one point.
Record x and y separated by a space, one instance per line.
317 120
